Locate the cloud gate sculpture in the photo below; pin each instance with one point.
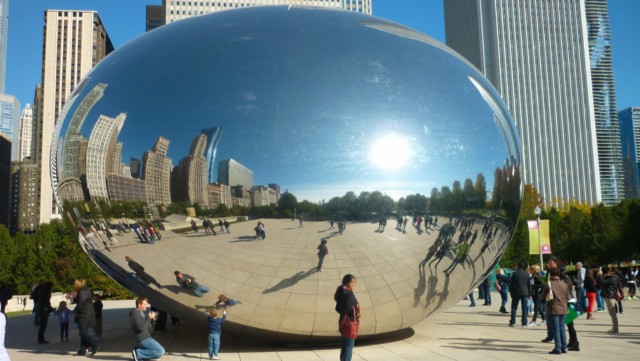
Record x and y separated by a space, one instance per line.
320 125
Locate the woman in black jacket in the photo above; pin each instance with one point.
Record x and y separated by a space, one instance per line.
85 317
348 307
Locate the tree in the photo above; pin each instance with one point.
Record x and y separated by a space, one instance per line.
287 203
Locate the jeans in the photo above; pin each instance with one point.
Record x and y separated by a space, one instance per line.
487 294
514 309
600 301
473 301
504 295
43 317
88 339
64 330
214 344
149 349
347 348
558 332
200 290
582 299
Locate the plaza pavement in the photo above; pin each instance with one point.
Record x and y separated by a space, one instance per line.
460 333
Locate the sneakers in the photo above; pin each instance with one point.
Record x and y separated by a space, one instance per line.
532 324
613 330
543 323
216 357
512 325
134 355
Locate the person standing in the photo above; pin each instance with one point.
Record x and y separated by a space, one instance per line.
519 294
557 309
609 287
5 296
64 315
44 308
590 289
4 356
347 306
323 250
215 330
148 347
86 317
502 286
581 293
97 309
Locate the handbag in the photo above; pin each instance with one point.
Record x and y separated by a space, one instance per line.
348 328
550 294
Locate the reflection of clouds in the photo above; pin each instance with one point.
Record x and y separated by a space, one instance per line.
250 96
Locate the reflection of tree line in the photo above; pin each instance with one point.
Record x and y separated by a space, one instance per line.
468 197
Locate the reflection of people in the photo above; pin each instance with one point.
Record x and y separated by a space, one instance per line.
140 272
148 347
323 250
5 296
189 282
346 304
462 252
223 302
215 330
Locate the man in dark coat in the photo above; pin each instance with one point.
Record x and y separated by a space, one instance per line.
519 288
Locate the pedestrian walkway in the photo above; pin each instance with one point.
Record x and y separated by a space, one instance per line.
460 333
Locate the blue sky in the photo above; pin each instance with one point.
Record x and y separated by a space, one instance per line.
125 19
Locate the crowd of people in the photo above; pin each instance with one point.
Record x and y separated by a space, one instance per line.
558 297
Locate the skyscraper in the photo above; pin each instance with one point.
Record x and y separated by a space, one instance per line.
74 42
536 54
9 117
190 176
630 134
175 10
156 172
155 16
25 134
604 102
4 28
232 173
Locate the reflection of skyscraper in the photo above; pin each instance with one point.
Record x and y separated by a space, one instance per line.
630 131
233 173
73 42
156 173
73 136
262 196
135 166
191 175
536 55
213 139
25 133
275 187
102 143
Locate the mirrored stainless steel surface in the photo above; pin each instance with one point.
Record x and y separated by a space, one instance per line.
354 123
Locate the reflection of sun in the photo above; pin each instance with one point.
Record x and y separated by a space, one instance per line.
390 152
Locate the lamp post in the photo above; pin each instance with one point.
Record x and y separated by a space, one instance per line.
538 211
